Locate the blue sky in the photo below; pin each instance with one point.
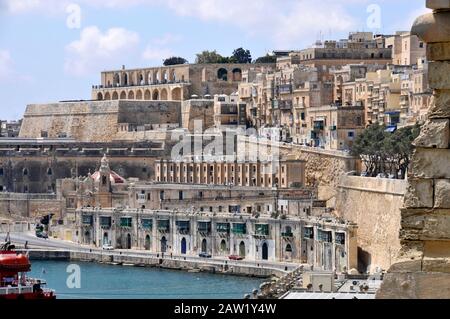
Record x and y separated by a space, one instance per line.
49 52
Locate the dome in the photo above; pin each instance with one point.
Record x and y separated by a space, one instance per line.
113 177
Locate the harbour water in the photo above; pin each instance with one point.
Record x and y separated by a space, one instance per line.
99 281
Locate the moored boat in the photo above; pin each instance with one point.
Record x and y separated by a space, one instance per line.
14 284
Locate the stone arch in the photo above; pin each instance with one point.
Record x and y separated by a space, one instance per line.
139 95
125 79
223 246
149 77
107 96
123 95
173 76
131 95
105 239
155 95
222 74
128 244
99 96
165 76
164 95
265 251
147 95
176 94
183 246
147 244
163 244
237 74
242 249
116 79
115 96
141 80
157 78
204 246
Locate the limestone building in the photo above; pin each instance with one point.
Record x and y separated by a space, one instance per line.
173 83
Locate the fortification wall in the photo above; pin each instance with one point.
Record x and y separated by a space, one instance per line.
374 204
94 121
29 205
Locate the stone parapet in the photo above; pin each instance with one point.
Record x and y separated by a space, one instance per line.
423 266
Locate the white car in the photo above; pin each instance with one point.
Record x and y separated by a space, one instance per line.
107 247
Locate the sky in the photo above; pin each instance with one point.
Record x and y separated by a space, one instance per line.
54 50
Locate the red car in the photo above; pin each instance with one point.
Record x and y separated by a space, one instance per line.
235 257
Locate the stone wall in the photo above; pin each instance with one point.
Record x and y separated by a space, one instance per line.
374 205
423 267
29 205
91 121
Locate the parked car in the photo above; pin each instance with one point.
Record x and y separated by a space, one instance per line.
235 257
43 235
204 255
107 247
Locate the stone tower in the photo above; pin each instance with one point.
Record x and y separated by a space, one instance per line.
104 193
423 267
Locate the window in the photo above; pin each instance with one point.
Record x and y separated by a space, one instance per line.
351 134
25 172
1 171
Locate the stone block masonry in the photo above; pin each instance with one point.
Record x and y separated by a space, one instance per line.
423 267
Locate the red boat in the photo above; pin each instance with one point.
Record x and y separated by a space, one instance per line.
13 282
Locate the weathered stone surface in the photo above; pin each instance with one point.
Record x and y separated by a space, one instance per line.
440 105
435 265
438 51
438 76
407 266
434 134
410 250
442 193
419 193
433 27
416 285
430 163
422 224
438 4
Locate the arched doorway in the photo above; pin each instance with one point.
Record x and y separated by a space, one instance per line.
147 95
204 246
155 95
223 246
105 239
123 95
139 95
131 95
99 96
242 249
265 252
163 244
183 246
147 242
288 251
128 241
115 96
87 237
107 96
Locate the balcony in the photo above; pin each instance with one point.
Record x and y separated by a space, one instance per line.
284 89
163 226
285 105
287 235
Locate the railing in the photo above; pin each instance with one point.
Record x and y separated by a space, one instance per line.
287 235
16 290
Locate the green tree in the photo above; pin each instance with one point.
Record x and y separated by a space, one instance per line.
241 55
384 152
175 60
207 57
266 59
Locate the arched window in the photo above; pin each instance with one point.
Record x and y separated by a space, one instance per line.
116 81
155 95
49 171
25 172
99 96
125 79
288 248
223 245
222 74
237 74
141 79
